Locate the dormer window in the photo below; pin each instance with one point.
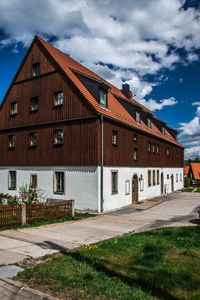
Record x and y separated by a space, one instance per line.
163 130
36 69
13 108
103 97
137 117
58 98
149 123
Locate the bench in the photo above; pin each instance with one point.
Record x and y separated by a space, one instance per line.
62 203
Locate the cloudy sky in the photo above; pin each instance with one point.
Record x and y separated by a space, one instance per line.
154 45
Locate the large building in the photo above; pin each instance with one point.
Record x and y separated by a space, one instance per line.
76 136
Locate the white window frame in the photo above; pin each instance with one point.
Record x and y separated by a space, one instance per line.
127 187
55 190
13 108
31 181
114 191
58 98
56 136
10 180
137 117
103 97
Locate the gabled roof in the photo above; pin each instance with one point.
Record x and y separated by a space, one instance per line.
186 170
196 170
115 110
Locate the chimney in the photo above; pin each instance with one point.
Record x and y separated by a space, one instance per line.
126 90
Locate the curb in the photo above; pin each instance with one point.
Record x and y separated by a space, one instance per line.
23 289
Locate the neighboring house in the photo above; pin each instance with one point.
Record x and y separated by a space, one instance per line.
76 136
186 171
194 171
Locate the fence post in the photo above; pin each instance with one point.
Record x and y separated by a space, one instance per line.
23 214
72 208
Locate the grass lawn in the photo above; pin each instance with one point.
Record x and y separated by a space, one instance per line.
76 217
191 189
159 264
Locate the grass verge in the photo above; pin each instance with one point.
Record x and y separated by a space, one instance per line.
159 264
77 217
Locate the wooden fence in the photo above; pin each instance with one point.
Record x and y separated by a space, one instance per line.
28 213
10 215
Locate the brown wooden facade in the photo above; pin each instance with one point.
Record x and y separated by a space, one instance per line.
79 121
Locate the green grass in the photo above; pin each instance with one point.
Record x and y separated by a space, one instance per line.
191 189
159 264
77 217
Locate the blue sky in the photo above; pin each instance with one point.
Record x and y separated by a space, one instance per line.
152 45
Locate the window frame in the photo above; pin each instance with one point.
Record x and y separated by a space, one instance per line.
61 191
11 138
157 148
105 97
137 117
135 154
31 182
135 138
149 178
30 139
154 177
158 177
149 123
36 108
163 130
114 137
35 68
114 191
58 101
13 108
12 188
56 135
149 146
127 187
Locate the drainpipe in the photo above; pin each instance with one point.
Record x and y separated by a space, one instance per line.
101 181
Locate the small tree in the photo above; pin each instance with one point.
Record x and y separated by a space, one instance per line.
186 182
30 194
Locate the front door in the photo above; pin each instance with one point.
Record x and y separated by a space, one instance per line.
162 184
135 189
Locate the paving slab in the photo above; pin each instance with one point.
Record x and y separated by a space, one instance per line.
10 271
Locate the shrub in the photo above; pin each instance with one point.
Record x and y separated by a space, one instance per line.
198 182
30 194
186 182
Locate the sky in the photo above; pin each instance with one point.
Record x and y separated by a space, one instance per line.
154 45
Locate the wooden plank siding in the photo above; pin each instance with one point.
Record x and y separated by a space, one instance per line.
122 153
80 146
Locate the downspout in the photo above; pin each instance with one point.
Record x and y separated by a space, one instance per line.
101 180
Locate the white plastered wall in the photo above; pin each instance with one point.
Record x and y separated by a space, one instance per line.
144 191
81 183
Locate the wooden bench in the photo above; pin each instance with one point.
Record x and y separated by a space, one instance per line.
62 203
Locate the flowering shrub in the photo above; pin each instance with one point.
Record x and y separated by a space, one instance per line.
91 247
30 194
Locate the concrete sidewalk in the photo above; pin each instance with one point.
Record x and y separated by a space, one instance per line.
11 290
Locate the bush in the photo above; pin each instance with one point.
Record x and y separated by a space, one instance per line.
198 182
30 194
186 182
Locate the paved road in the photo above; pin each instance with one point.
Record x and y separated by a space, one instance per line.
176 210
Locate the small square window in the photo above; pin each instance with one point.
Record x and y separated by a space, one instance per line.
58 98
137 117
135 154
114 137
135 138
33 180
34 104
12 180
114 175
33 139
149 147
149 123
59 179
103 97
11 141
58 136
13 108
36 69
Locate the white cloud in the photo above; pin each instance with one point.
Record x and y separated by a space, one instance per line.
153 105
196 103
192 153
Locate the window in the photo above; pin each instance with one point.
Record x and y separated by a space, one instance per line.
59 182
154 148
127 187
33 139
163 130
149 147
36 69
34 103
114 137
114 182
154 177
157 148
58 136
158 177
149 178
103 97
181 176
176 177
11 141
13 108
135 154
135 138
137 117
149 123
33 180
58 98
141 181
167 176
12 180
167 151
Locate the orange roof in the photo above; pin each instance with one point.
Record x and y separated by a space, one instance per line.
114 110
196 170
186 170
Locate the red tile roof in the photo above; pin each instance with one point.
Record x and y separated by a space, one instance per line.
115 110
186 170
196 170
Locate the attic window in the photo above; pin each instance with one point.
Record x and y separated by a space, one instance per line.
58 98
163 130
13 108
103 97
137 117
36 69
149 123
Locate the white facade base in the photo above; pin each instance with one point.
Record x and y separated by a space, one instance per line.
83 184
